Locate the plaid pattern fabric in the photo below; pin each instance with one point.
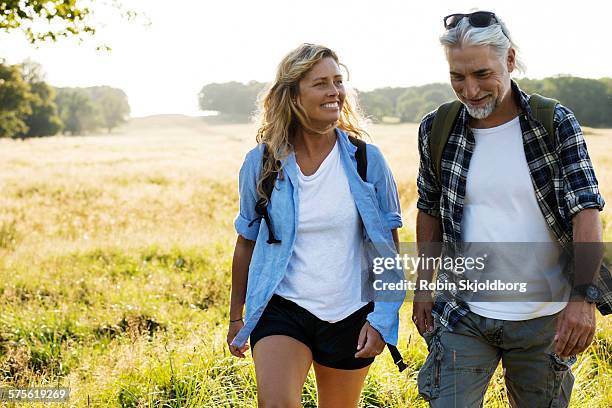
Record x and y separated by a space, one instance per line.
561 172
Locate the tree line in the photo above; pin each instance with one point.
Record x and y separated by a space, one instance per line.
590 99
30 107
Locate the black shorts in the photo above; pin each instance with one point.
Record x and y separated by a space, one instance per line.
332 344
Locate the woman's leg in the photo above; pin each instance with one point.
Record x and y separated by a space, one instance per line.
281 368
339 388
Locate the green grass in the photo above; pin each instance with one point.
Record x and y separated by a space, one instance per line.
115 275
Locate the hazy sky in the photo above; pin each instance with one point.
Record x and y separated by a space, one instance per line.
190 43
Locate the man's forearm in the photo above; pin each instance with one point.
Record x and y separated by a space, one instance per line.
429 238
588 247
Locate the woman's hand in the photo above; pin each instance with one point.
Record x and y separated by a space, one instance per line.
233 329
370 342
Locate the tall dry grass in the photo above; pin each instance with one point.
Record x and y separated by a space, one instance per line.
115 262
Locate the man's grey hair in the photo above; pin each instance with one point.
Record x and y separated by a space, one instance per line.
496 35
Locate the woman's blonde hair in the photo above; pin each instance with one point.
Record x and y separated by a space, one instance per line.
281 116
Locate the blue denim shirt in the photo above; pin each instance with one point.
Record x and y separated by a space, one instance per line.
377 203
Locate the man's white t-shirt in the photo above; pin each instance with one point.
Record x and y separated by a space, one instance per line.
501 206
323 275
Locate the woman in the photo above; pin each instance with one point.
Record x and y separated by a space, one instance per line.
303 263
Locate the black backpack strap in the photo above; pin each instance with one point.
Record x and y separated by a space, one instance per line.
261 206
442 126
397 357
361 157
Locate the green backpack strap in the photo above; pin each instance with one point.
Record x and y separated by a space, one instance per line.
443 123
543 110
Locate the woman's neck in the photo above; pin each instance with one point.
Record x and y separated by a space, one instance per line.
313 145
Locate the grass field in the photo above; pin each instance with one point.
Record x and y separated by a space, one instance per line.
115 257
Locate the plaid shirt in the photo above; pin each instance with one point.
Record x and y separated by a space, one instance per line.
561 172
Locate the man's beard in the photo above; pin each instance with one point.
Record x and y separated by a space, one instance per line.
481 112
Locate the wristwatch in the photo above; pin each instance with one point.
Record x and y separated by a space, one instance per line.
589 292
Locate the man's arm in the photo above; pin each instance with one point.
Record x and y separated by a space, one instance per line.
576 324
429 236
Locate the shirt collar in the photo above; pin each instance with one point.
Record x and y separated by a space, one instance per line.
344 141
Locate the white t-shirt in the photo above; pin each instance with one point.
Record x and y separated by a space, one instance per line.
323 275
501 206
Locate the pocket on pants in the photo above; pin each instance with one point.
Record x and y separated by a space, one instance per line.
428 379
562 380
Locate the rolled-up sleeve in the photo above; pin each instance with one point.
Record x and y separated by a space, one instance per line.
385 319
580 188
247 222
380 175
428 188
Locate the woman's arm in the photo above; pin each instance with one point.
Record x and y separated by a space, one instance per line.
247 224
240 270
243 252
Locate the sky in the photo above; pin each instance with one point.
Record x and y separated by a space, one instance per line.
163 59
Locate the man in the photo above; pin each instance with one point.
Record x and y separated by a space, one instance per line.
523 185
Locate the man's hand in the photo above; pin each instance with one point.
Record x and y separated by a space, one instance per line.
370 342
575 328
421 312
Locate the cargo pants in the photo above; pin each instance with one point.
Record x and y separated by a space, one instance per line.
461 363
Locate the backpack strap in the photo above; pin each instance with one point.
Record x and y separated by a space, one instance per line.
361 157
397 357
261 206
543 110
443 123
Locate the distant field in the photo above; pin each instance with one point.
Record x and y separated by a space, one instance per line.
115 257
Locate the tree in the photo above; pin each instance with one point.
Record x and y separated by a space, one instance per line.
114 109
409 107
14 100
111 105
45 19
231 98
589 99
43 119
376 105
42 20
415 102
86 109
76 110
408 104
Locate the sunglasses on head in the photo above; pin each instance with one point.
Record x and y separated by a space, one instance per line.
476 19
